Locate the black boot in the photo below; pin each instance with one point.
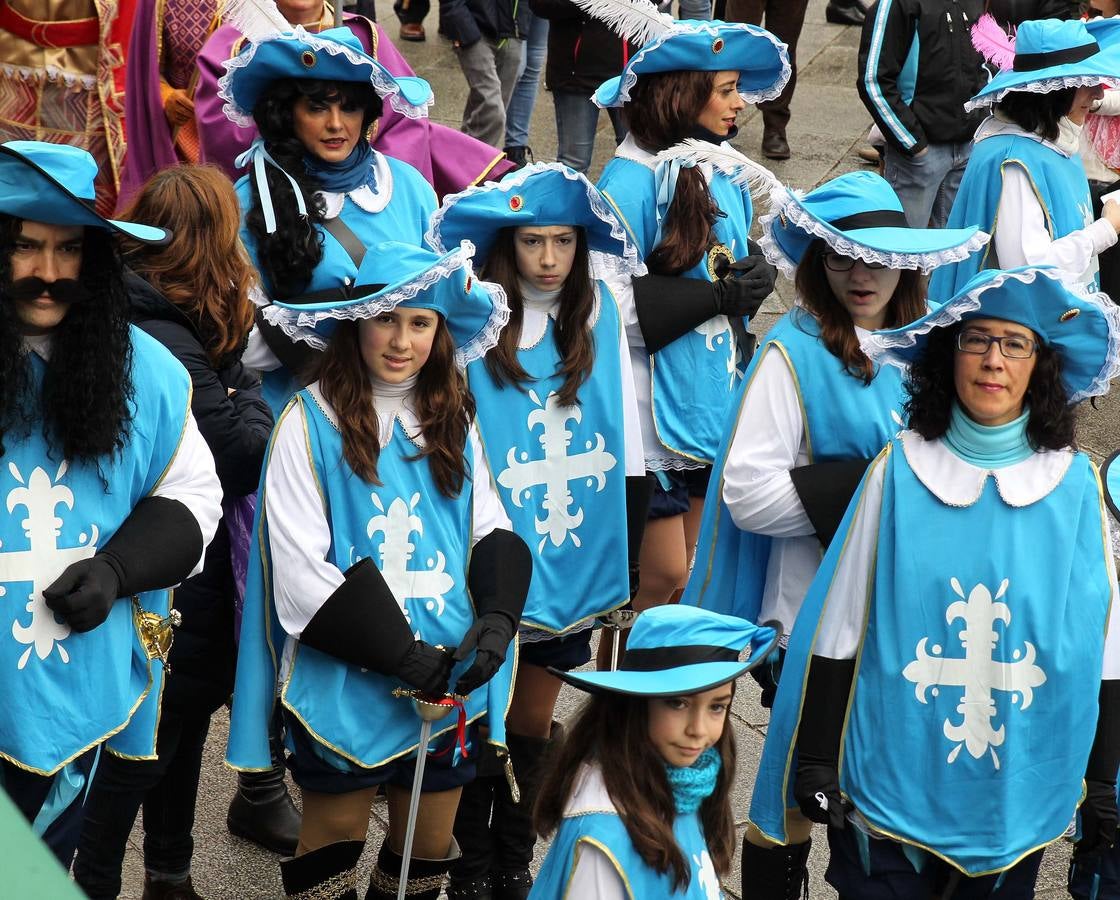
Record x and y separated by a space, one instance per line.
262 811
845 12
519 156
514 835
470 875
775 873
425 876
328 873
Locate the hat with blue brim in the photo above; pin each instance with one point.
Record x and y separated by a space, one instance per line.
332 55
1084 329
394 274
676 650
860 216
53 183
761 60
541 194
1110 478
1051 55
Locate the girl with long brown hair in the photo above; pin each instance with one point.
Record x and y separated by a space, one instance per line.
558 419
687 317
813 411
192 295
639 794
384 572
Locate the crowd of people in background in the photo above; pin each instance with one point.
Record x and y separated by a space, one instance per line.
380 432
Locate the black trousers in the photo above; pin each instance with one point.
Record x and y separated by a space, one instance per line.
1109 260
167 788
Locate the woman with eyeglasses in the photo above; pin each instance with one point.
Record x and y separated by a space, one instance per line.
951 692
813 412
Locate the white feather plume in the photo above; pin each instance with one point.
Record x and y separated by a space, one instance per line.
637 21
726 159
256 19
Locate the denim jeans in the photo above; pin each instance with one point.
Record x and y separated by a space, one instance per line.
576 121
927 184
520 109
695 9
1096 878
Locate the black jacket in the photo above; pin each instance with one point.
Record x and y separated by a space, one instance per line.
582 52
236 429
948 72
466 22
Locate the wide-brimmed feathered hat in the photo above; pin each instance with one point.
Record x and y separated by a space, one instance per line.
541 194
393 274
1051 55
676 650
1084 329
278 50
858 215
53 183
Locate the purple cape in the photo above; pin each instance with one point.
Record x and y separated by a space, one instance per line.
448 159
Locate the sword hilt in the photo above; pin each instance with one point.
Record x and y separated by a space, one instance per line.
156 632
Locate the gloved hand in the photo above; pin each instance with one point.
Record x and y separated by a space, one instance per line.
489 636
816 787
754 268
1098 818
425 668
85 592
178 107
748 282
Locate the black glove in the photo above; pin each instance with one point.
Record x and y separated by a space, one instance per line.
748 283
85 592
489 637
766 675
816 785
816 788
1098 818
425 668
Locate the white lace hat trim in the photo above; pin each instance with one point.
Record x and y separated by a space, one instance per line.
1042 86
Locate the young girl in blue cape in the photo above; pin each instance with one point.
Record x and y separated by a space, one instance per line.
812 413
639 794
1024 183
690 220
384 569
950 692
559 422
316 195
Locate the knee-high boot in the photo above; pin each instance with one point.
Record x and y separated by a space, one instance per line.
326 874
262 811
425 876
470 875
775 873
514 835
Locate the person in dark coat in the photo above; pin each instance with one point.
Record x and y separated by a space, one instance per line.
192 295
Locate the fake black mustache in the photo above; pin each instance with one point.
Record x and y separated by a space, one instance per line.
64 290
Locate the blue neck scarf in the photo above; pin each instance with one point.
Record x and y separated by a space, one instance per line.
343 177
988 446
692 785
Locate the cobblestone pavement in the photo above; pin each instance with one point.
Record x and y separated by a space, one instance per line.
827 127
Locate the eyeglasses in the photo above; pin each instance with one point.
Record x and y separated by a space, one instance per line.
1012 346
838 262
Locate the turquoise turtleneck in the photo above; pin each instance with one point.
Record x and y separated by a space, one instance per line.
692 785
988 446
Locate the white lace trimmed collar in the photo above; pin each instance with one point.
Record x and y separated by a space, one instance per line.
365 198
1067 144
539 307
630 150
958 483
589 794
394 403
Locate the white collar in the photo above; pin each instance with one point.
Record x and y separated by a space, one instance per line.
589 794
630 150
535 316
391 405
958 483
40 344
1067 144
363 197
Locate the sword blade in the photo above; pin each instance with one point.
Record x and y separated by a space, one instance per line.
414 800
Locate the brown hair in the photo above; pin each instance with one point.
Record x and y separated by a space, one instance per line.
204 270
444 407
612 731
573 334
663 109
838 333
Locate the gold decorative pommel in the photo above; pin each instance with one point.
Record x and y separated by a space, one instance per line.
428 707
156 632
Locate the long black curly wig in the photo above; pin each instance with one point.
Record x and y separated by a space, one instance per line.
83 404
287 257
931 391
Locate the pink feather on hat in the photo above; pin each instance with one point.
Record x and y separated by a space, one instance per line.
993 42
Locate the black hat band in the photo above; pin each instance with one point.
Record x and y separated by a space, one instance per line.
875 218
1032 62
655 659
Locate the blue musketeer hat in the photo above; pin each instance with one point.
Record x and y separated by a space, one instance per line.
858 215
676 650
53 183
540 194
332 55
1051 55
393 274
1083 328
